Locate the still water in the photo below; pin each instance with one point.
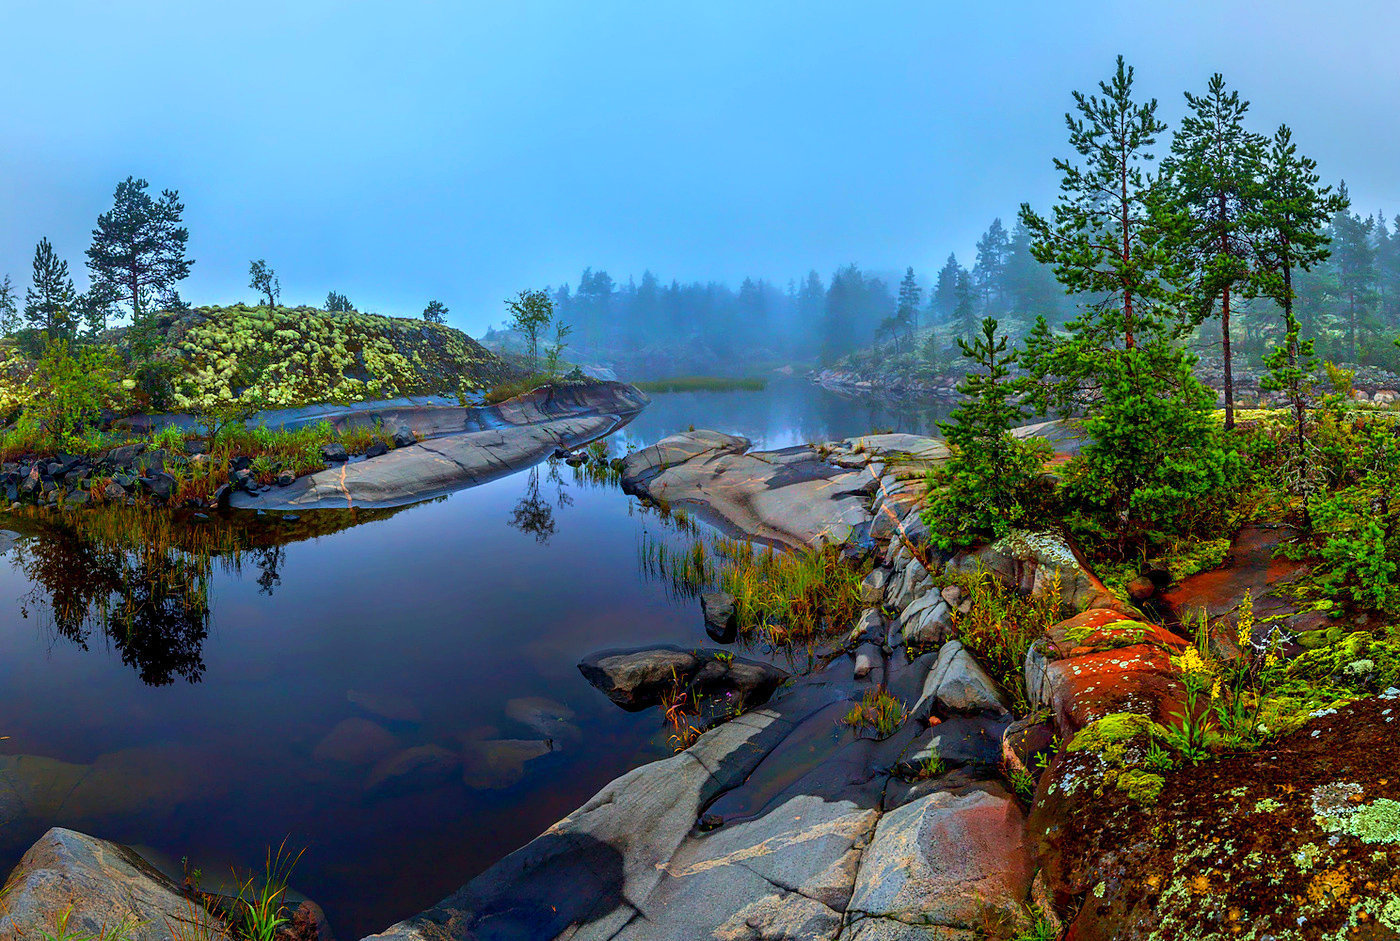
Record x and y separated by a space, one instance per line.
394 691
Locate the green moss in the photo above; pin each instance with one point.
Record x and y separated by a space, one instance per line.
1116 729
1144 787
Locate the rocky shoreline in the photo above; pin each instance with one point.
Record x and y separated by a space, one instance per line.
967 819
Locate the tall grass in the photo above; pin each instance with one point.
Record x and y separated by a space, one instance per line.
784 598
1001 625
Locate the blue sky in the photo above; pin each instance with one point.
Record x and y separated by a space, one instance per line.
403 151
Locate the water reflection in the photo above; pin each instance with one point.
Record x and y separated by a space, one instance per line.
140 579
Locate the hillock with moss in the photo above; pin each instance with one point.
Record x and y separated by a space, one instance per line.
289 356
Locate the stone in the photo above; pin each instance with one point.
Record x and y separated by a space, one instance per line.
356 741
1025 741
953 859
491 764
113 492
150 463
105 887
124 455
959 683
952 594
159 485
385 705
545 717
872 587
638 678
866 658
926 623
376 449
400 436
721 619
1141 588
286 479
420 768
333 452
869 627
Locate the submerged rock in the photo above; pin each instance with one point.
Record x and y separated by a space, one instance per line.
721 620
420 768
551 719
356 741
386 705
497 763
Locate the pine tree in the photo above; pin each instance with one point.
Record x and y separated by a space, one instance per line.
1102 242
338 303
1211 187
989 272
138 247
1354 260
49 302
943 300
263 279
436 311
965 308
1290 224
991 482
1292 366
907 306
9 308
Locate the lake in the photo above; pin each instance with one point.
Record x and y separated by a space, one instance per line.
207 689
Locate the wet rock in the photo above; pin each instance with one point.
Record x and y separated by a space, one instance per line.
105 887
959 683
1141 588
637 679
721 619
356 741
385 705
334 453
376 449
489 764
286 479
867 657
551 719
420 768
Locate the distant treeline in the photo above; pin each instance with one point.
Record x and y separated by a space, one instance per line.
814 318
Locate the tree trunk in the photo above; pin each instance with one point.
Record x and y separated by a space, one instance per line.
1225 354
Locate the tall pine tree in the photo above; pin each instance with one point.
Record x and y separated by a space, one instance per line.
50 301
138 248
1211 186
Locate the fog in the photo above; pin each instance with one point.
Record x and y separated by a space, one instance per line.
462 152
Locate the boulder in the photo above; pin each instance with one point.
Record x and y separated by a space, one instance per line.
959 683
926 623
957 860
399 435
103 887
721 619
872 587
356 741
638 679
376 449
420 768
545 717
333 452
489 764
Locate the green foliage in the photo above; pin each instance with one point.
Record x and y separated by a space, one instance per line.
877 710
70 387
435 312
513 387
260 903
338 303
990 483
9 310
138 248
121 931
1000 626
263 279
1156 466
531 313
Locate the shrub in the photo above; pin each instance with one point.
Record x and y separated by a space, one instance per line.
70 387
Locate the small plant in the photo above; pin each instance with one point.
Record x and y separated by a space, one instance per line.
877 710
1038 926
261 906
170 438
121 931
1000 626
1023 783
673 702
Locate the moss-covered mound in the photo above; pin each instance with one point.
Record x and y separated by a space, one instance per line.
1299 842
289 356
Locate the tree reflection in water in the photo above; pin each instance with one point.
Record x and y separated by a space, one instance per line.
533 514
140 578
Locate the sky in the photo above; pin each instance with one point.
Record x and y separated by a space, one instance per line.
403 151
